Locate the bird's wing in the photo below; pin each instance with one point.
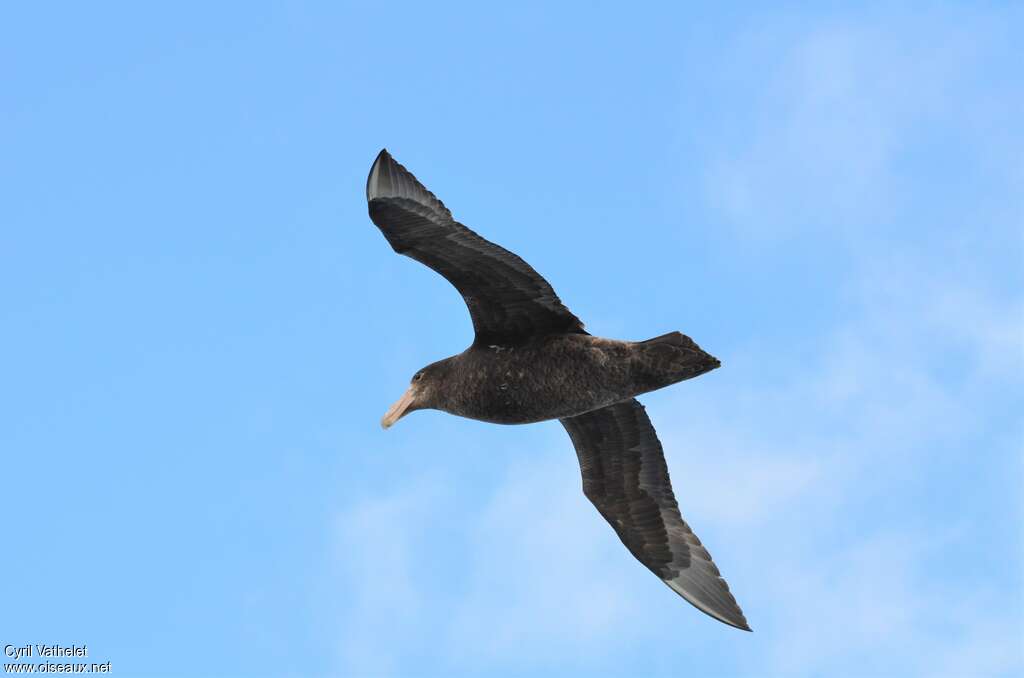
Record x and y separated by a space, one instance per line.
625 476
508 301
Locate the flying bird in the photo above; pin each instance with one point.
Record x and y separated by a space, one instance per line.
531 360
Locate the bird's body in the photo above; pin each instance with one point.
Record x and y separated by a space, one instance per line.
562 375
531 361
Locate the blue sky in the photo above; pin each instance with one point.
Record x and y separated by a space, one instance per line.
201 330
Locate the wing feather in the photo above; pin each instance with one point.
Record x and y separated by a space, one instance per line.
508 301
626 478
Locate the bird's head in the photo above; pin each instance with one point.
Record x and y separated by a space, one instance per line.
424 392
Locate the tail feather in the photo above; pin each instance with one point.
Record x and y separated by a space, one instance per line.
673 338
677 354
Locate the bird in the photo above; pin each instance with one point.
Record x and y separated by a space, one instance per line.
532 360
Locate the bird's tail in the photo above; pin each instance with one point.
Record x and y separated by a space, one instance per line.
678 355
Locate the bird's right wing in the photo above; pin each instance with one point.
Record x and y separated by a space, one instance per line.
508 301
625 476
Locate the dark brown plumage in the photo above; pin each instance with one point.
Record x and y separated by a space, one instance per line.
531 360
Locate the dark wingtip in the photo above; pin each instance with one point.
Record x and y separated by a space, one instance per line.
741 624
378 181
735 619
389 179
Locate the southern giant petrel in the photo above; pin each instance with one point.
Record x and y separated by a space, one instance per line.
531 360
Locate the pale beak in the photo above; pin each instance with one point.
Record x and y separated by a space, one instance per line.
398 410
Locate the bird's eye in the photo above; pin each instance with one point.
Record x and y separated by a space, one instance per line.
419 375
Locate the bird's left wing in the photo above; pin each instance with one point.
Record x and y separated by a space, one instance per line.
625 476
508 301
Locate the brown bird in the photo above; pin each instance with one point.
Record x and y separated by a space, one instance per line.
531 360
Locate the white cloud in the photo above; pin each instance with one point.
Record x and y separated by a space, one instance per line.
537 579
840 112
380 545
872 609
545 572
790 470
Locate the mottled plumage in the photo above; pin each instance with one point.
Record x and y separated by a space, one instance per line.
531 360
